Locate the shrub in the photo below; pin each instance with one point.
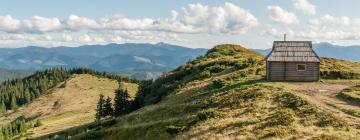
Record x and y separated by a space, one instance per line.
205 74
207 114
325 137
330 120
38 123
241 65
219 83
283 117
291 101
174 129
216 68
278 131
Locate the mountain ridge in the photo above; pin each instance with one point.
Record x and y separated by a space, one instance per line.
163 57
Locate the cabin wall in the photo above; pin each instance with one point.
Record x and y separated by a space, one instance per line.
287 71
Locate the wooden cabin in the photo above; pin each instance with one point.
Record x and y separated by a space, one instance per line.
292 61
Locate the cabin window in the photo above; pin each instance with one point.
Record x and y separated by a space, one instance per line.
301 67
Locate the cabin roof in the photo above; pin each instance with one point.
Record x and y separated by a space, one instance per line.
293 51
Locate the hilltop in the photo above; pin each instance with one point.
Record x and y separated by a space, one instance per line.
223 95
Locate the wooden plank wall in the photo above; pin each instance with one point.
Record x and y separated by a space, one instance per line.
287 71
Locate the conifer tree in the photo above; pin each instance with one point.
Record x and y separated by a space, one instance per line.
108 109
1 134
2 108
13 103
100 107
121 102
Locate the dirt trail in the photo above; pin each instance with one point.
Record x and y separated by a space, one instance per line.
324 94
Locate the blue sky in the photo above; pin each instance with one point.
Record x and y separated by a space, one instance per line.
196 24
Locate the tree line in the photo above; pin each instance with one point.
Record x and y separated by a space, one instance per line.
17 127
122 105
17 92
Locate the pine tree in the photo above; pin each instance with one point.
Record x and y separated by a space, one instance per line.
121 102
100 107
108 109
13 102
2 108
1 134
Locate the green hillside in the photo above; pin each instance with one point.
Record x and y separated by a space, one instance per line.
222 95
332 68
55 99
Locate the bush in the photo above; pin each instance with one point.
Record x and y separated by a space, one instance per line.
278 131
216 68
205 74
219 83
325 137
291 101
38 123
330 120
207 114
173 129
283 117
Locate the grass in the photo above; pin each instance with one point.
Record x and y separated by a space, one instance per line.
331 68
351 94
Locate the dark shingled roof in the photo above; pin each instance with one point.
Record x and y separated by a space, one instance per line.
293 51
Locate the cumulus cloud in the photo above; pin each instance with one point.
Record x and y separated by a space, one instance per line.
226 19
75 22
194 18
305 6
35 24
280 15
325 28
8 24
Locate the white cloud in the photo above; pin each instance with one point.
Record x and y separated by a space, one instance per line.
35 24
305 6
8 24
325 28
194 18
39 24
280 15
75 22
195 14
85 38
226 19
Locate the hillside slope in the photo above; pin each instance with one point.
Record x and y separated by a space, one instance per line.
222 96
69 104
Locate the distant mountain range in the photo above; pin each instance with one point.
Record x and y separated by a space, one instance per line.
140 60
330 50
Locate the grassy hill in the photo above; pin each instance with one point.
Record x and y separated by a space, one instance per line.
222 95
71 103
332 68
